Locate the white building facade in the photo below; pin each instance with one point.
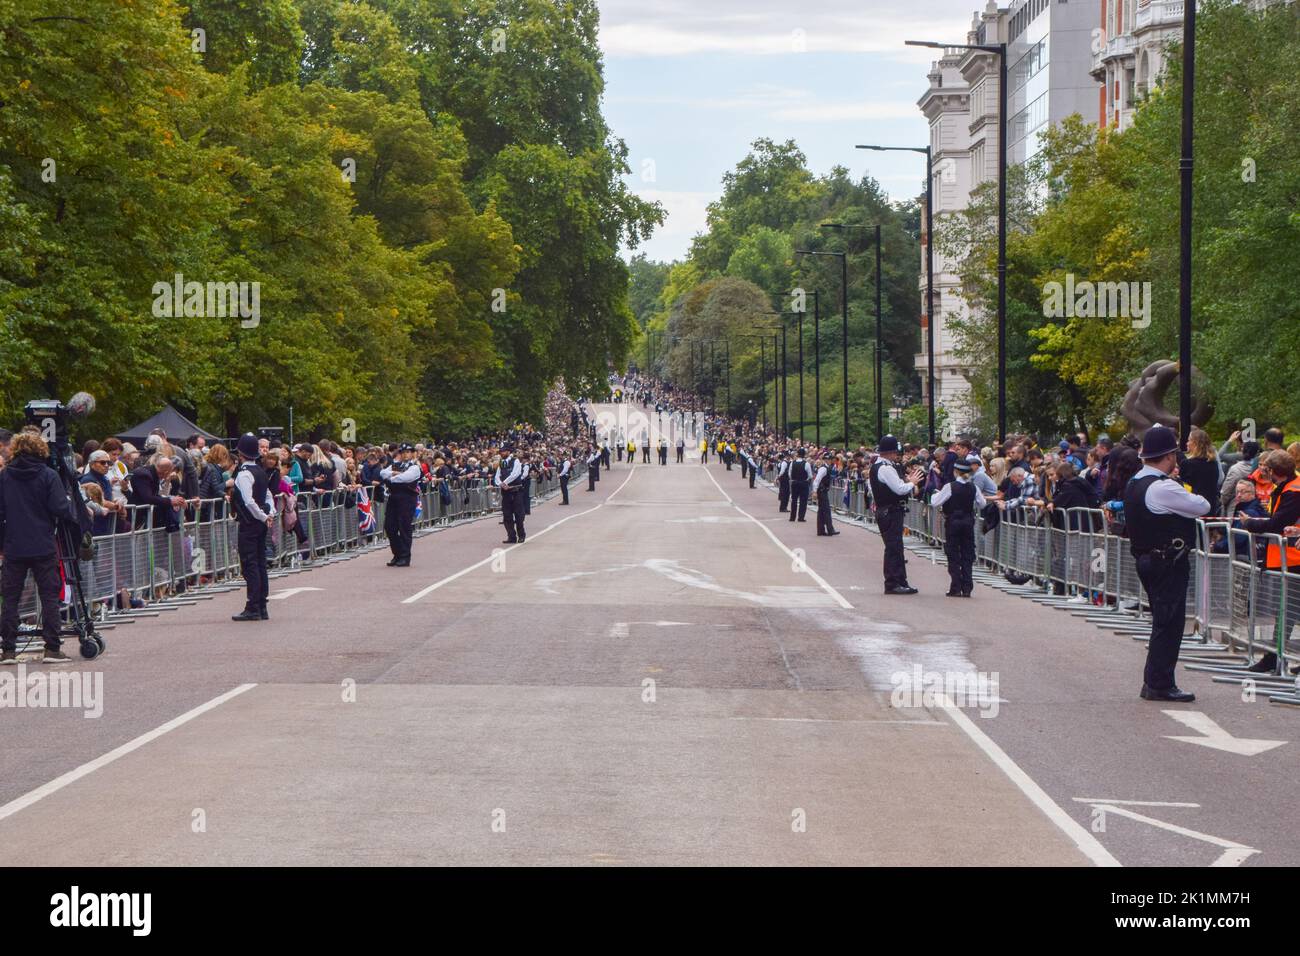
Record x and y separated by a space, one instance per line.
1049 63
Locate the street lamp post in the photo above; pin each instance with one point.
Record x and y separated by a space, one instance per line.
844 348
929 267
1000 49
1185 228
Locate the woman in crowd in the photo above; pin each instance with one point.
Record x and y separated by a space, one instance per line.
214 479
1200 470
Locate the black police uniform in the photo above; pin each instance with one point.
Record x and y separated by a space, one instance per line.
512 499
564 479
252 537
593 470
783 485
753 470
1160 545
824 524
959 537
890 509
799 479
399 514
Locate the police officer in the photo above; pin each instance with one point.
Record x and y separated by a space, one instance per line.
566 466
1160 515
744 464
821 489
799 487
509 478
593 467
254 511
32 499
403 479
681 449
526 481
783 482
889 496
753 465
959 500
663 451
645 448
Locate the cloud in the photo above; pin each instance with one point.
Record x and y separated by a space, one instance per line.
687 214
784 103
635 28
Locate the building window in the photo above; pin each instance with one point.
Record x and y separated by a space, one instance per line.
1029 119
1029 65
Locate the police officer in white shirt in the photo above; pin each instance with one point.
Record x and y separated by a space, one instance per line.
783 482
889 496
1160 515
821 490
565 467
959 500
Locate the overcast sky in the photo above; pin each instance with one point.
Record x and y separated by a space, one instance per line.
689 85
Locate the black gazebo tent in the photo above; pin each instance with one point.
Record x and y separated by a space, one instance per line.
176 426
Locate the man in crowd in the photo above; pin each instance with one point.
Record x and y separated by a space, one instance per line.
32 500
146 485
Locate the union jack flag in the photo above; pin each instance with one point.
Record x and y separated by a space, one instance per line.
366 522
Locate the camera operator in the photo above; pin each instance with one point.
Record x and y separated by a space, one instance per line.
32 498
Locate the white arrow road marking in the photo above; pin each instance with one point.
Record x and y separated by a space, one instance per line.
1233 853
1133 803
1215 736
289 592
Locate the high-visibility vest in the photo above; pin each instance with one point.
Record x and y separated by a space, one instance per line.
1272 557
631 447
1263 487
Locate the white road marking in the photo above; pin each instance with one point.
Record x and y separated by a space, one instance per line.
619 629
1133 803
1234 853
72 776
498 553
1212 735
1088 844
289 592
802 562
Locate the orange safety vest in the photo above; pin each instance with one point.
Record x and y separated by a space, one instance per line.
1263 487
1272 557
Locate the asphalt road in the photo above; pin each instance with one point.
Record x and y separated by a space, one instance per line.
667 671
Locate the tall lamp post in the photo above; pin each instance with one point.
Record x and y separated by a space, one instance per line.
1000 49
879 362
1185 228
844 347
929 266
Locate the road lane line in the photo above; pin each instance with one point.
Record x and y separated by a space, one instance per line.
802 562
1088 844
72 776
497 553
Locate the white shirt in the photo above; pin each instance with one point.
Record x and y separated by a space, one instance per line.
782 468
515 473
1170 497
412 473
244 485
564 469
944 493
888 476
595 457
817 480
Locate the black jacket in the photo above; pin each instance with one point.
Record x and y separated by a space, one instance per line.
1075 493
32 497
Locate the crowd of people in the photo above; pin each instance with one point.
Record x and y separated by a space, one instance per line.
1249 484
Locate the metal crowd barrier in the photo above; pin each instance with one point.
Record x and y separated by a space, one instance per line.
156 567
1233 597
